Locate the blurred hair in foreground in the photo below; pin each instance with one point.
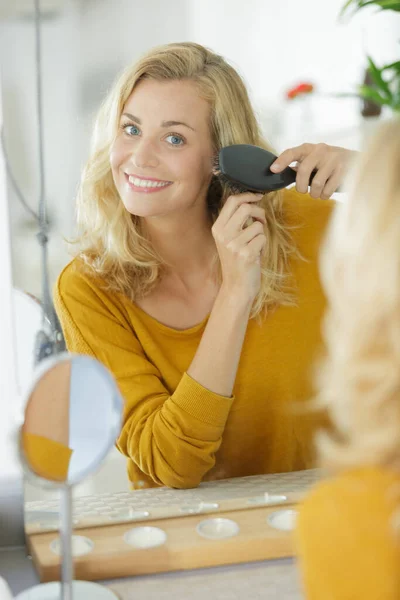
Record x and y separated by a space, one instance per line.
358 380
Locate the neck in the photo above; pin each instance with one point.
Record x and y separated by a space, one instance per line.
185 244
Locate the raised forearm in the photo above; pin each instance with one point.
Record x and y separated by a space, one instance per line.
217 358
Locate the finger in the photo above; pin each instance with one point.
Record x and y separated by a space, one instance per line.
251 251
332 184
239 218
297 153
304 171
245 236
256 246
233 202
322 177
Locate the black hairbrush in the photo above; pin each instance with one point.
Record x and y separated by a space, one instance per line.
246 168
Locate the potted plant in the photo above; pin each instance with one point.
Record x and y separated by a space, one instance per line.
382 85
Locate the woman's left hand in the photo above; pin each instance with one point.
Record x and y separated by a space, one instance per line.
330 162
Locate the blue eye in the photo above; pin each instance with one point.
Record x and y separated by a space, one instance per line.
176 140
131 130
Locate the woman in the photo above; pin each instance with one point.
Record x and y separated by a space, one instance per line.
348 531
208 326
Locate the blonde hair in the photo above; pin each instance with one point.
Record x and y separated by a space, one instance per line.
112 243
359 379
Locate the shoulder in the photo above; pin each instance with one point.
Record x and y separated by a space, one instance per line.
307 219
347 537
357 483
79 290
75 278
355 498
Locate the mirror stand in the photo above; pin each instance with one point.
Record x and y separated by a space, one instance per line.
67 563
80 590
68 589
53 448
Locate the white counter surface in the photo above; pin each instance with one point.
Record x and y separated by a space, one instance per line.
267 580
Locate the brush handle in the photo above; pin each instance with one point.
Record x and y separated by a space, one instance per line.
246 168
277 181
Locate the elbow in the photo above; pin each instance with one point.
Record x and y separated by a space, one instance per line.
181 474
176 482
168 461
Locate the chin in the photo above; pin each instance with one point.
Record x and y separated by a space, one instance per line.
140 211
141 208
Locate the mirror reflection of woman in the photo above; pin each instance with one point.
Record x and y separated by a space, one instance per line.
208 325
45 433
349 527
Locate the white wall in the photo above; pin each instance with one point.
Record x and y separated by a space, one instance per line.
8 382
84 46
60 56
276 44
11 524
273 44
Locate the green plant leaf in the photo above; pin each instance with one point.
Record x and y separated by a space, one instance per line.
365 91
396 97
377 78
384 4
380 4
346 95
389 5
345 7
383 90
395 66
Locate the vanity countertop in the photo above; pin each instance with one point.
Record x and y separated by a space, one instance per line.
268 580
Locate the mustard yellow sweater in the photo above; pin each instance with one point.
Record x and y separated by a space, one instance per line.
178 433
348 537
47 458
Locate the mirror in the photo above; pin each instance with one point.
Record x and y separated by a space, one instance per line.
85 45
72 418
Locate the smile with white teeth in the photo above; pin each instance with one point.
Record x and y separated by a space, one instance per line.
146 182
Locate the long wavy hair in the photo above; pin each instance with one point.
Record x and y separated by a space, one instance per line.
112 243
359 378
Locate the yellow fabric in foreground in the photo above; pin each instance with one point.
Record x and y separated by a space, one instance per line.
176 432
346 537
47 458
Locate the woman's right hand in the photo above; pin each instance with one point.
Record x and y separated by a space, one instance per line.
240 247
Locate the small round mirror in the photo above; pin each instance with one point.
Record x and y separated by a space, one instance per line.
72 419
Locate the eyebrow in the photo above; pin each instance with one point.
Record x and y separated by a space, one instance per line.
163 124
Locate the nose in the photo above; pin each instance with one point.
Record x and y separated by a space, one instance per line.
145 155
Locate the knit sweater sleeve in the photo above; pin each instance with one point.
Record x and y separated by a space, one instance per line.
172 438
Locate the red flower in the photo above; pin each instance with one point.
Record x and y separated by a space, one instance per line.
301 88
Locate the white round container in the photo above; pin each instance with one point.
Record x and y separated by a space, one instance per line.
217 528
145 537
80 545
284 520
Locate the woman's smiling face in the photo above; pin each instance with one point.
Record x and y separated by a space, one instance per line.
161 159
